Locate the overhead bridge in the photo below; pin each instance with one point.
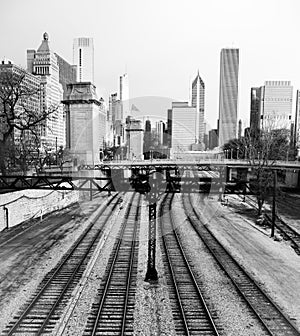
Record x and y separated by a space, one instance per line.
152 179
229 176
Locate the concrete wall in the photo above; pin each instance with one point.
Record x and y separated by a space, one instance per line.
28 204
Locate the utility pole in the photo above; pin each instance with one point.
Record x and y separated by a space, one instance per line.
274 203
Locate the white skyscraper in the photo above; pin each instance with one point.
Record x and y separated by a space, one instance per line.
43 63
276 105
182 119
83 58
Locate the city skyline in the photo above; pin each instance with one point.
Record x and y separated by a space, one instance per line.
155 56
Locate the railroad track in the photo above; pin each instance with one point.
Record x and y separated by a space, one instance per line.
44 308
190 312
274 321
112 313
286 230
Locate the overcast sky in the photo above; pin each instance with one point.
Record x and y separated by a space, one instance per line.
162 43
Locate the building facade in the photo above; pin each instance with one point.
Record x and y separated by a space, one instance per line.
67 73
83 58
134 137
297 124
124 96
213 140
276 105
181 126
44 63
255 111
160 129
197 101
228 100
271 106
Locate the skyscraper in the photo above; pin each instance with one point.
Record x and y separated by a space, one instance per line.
198 90
255 111
297 123
271 106
83 58
44 63
124 96
276 105
181 126
228 100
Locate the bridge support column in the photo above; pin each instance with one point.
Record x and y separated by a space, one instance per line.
151 274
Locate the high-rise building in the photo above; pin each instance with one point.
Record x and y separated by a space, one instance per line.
297 123
213 138
276 105
240 129
228 100
160 129
44 63
83 58
198 91
181 126
67 73
124 96
255 111
271 106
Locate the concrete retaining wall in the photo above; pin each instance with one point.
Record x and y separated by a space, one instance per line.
20 206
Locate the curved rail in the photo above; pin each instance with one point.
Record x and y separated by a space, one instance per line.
287 231
274 321
195 315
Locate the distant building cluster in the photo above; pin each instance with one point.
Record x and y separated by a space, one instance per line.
92 130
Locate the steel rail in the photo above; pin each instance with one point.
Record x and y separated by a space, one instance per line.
65 259
111 270
213 330
238 274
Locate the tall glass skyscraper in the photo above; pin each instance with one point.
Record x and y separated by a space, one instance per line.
228 100
83 58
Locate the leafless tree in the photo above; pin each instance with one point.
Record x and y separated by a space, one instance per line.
261 149
20 121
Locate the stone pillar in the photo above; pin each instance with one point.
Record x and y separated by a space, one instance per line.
86 118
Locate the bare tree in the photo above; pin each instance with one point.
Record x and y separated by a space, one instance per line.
261 150
21 119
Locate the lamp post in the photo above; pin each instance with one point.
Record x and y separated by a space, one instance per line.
245 152
237 152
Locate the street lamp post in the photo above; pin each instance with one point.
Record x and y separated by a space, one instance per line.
237 153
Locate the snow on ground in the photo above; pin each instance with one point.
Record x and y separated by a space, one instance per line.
30 250
272 262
